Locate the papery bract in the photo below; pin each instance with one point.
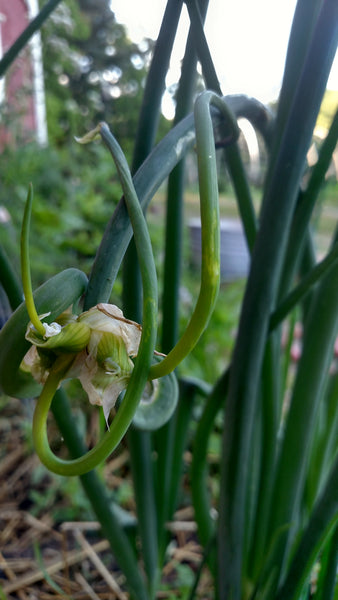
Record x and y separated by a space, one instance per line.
103 343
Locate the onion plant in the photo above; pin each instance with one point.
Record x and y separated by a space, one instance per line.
276 515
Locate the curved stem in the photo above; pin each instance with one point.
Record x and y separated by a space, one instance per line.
232 155
44 401
99 453
92 483
147 181
209 204
140 372
25 265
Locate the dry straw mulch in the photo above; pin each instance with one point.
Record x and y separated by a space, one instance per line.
41 559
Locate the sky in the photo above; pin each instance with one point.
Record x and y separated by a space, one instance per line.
248 41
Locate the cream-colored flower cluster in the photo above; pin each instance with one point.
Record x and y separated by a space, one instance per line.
102 342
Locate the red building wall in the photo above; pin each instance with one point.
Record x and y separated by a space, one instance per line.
18 119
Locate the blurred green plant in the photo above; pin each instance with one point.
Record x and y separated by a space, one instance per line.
272 517
76 211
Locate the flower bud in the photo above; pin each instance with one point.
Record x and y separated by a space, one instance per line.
103 343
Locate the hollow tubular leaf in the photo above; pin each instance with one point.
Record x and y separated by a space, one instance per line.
25 265
319 336
231 151
139 443
155 84
168 441
209 204
322 522
199 468
303 288
259 299
305 206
